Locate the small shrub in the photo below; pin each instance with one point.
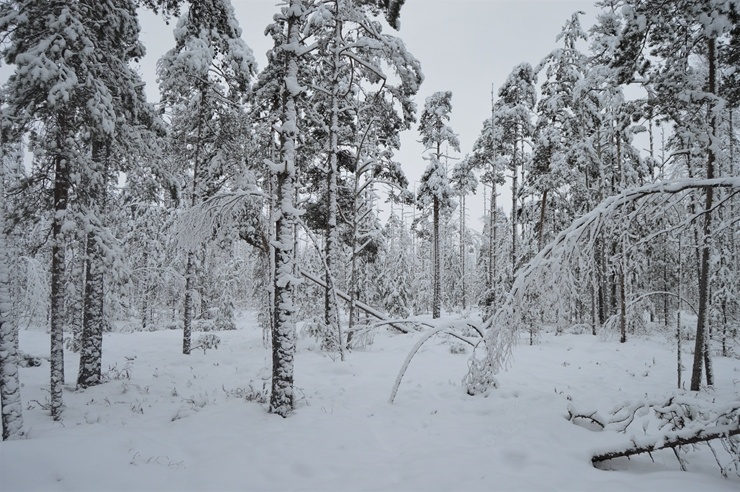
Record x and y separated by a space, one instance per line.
115 374
457 347
207 341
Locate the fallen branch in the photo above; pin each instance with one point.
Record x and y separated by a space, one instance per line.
361 305
671 442
679 423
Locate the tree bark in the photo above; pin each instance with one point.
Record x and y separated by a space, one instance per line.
331 314
437 294
91 348
283 332
187 309
10 387
541 231
701 352
61 194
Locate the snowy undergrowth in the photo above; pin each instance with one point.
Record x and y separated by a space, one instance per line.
175 422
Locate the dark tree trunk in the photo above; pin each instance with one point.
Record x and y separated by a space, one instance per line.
10 387
701 351
61 193
437 294
331 314
283 331
91 348
188 304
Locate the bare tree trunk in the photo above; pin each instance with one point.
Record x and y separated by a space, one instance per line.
283 333
331 315
61 194
462 250
91 348
187 309
437 294
701 351
513 223
542 220
623 253
10 387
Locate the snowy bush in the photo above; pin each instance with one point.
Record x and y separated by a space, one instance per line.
28 360
252 392
207 341
72 344
457 347
115 374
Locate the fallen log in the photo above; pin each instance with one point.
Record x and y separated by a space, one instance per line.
361 305
672 442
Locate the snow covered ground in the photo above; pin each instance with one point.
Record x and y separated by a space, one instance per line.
175 422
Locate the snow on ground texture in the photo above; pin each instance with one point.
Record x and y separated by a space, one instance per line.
178 423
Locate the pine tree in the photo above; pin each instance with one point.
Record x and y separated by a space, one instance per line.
435 188
463 182
203 79
517 98
64 96
286 33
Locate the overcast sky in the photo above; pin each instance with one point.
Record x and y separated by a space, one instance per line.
465 46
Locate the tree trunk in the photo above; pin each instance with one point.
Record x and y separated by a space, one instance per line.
331 315
437 295
701 351
56 321
462 250
541 231
283 333
187 309
91 347
190 281
10 387
513 224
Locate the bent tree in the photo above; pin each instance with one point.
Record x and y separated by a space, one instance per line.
570 250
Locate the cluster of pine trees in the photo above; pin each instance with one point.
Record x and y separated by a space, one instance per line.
263 187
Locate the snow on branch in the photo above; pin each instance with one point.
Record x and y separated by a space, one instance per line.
202 222
555 262
676 423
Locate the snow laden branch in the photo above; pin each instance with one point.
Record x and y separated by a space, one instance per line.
679 423
555 263
202 222
447 328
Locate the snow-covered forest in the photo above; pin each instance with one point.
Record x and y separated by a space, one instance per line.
176 276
